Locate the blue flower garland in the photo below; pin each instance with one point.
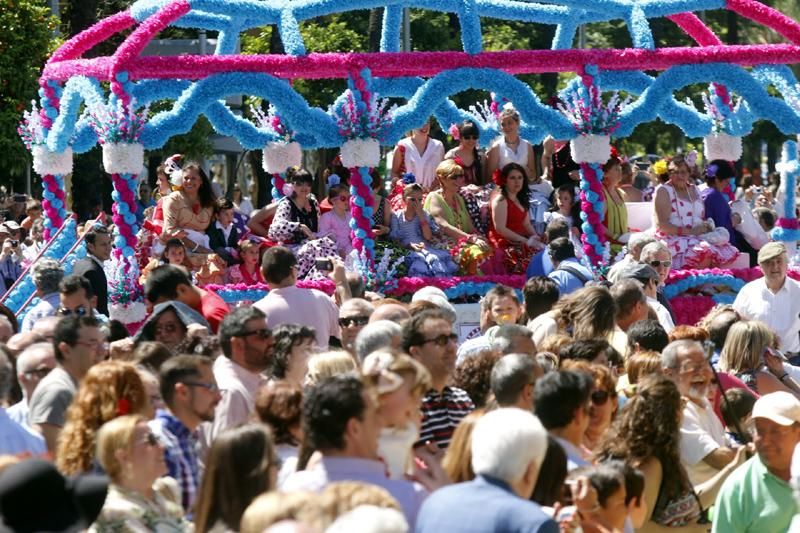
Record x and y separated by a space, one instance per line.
789 167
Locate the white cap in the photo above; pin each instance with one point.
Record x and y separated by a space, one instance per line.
781 407
425 292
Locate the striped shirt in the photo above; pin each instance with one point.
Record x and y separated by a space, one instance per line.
441 413
180 453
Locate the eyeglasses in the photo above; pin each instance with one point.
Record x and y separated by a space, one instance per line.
343 198
210 387
412 199
470 137
600 397
457 177
166 328
78 311
264 333
150 440
442 340
353 321
656 263
37 372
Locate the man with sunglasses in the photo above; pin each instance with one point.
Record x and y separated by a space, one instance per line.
247 344
33 364
775 298
705 447
353 316
428 337
77 297
657 255
190 392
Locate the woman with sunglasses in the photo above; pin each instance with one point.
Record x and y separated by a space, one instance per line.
466 154
414 228
109 389
449 210
680 221
336 222
604 400
296 223
140 496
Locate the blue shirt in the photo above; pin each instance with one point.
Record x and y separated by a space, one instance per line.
17 439
480 506
47 306
180 453
540 265
568 282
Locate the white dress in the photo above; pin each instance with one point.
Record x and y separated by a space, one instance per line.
510 155
423 166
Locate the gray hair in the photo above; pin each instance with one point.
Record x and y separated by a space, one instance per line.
235 324
47 274
6 374
503 339
375 336
358 304
670 356
510 374
638 241
505 442
653 249
23 360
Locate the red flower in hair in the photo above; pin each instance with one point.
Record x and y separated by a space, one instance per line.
614 152
498 178
123 407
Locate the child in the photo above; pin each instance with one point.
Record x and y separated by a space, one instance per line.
336 223
737 407
539 203
414 228
33 208
249 270
174 254
567 209
222 234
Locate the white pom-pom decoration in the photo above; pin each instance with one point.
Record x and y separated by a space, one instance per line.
361 153
47 163
590 148
278 156
129 313
123 158
722 146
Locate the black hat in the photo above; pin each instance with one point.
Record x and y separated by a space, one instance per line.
35 497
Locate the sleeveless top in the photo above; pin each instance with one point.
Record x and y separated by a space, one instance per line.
515 221
309 218
472 173
685 213
509 155
377 215
616 218
423 166
458 218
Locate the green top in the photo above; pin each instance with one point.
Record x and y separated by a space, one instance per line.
460 219
752 499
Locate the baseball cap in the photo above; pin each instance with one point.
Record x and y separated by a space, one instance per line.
71 504
11 225
639 271
771 250
781 407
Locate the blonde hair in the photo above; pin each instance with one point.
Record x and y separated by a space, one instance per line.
448 169
328 364
344 496
273 507
403 365
641 364
247 244
744 346
589 312
411 187
114 435
457 461
110 389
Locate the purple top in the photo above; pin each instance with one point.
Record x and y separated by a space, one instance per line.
717 208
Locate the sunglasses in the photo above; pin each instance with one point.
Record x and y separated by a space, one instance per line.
343 198
264 333
37 373
210 387
470 137
658 263
412 199
457 177
353 321
78 311
600 397
150 440
442 340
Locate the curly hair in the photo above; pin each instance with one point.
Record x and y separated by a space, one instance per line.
473 376
588 312
287 336
110 389
649 426
279 404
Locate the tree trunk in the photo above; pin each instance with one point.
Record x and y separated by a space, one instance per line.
374 29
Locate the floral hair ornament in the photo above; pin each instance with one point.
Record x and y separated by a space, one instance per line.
454 132
498 178
123 407
660 167
711 171
376 366
173 169
409 178
334 179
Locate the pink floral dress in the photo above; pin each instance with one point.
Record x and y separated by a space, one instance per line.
689 251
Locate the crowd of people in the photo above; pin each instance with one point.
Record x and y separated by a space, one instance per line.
581 406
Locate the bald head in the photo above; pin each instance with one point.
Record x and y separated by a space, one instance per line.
17 343
33 364
46 326
394 312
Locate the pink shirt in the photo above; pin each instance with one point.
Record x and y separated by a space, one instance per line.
307 307
339 228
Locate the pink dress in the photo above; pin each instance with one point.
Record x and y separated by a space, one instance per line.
339 229
689 251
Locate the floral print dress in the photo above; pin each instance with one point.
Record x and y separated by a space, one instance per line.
125 511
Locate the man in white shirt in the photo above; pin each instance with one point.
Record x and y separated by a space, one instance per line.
705 449
649 278
775 298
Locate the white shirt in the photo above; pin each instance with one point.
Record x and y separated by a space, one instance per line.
542 327
575 458
225 232
423 166
701 434
663 315
780 311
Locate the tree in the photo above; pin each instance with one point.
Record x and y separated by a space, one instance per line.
26 41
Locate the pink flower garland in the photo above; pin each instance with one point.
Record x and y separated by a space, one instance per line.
589 174
51 213
127 197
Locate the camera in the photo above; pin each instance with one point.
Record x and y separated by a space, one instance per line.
14 243
324 265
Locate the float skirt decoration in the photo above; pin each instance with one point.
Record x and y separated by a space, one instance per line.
361 153
46 162
123 158
590 148
277 157
590 151
722 146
